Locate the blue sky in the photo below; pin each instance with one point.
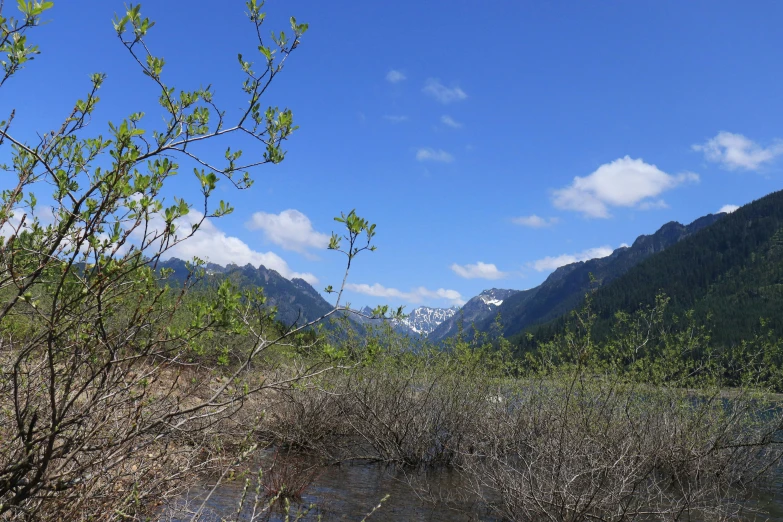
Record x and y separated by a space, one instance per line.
489 141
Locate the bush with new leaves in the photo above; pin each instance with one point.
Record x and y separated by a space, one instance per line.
105 406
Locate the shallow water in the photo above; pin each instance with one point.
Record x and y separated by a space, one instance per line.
771 500
349 492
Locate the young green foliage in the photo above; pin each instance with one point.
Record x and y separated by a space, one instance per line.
96 376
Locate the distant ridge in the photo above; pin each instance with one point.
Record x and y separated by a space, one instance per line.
565 288
478 309
425 319
296 300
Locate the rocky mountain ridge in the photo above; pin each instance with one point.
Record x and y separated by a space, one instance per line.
478 309
298 302
424 319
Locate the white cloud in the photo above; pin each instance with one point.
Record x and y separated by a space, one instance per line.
534 221
478 271
290 229
395 119
653 205
550 263
735 151
394 76
416 295
13 224
728 209
428 154
208 243
450 122
212 244
625 182
443 94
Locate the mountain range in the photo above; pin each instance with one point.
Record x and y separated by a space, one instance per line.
726 266
565 288
424 319
476 311
726 269
298 302
729 274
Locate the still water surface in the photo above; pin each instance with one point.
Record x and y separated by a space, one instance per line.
349 492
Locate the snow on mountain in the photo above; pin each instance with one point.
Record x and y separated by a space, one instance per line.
423 320
477 309
489 301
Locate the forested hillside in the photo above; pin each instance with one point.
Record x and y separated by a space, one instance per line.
564 289
730 274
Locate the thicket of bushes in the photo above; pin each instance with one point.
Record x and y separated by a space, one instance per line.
118 390
567 436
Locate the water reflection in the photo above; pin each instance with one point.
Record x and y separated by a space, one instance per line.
350 491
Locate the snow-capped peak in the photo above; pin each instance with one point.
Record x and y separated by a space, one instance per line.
423 320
